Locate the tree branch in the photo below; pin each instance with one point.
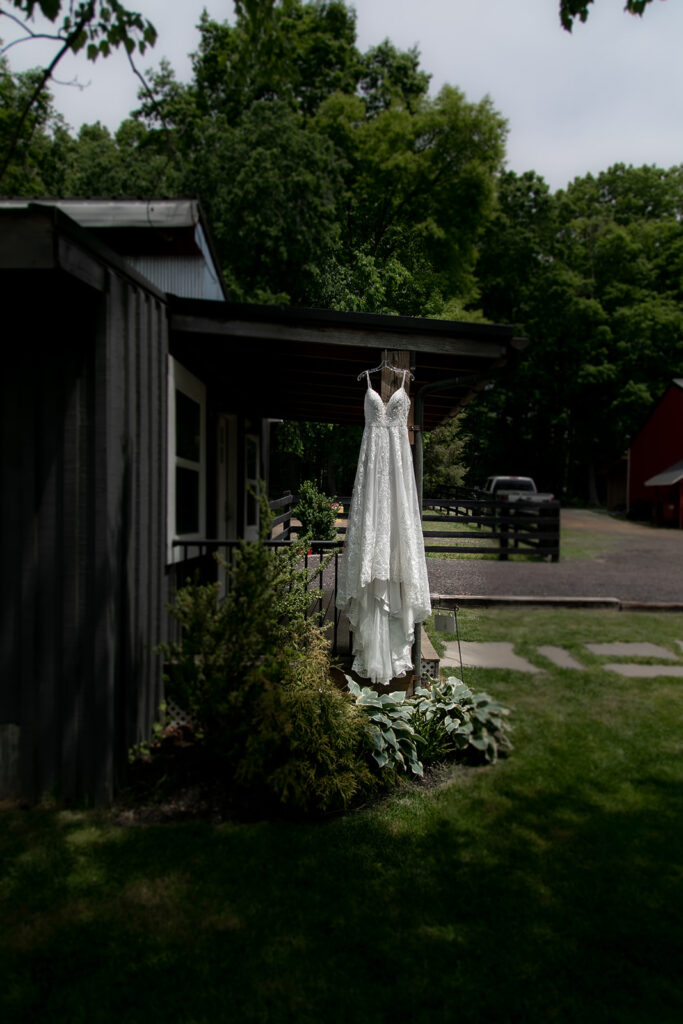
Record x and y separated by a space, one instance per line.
26 28
159 112
44 78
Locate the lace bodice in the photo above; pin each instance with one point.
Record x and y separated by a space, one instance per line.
392 413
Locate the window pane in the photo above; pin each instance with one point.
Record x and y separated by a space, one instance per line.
186 501
187 427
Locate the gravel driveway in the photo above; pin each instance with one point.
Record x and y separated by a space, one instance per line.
639 563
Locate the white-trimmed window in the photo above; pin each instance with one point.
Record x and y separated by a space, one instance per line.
187 458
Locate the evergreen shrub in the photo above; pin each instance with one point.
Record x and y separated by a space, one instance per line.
316 513
253 669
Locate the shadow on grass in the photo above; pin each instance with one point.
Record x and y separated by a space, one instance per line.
507 904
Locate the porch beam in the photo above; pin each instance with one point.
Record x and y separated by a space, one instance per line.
359 338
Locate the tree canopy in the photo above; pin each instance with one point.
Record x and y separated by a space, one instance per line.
330 176
570 10
593 274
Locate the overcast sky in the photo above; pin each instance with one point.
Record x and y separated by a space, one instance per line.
610 92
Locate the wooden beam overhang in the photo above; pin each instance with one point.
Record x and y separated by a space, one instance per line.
303 364
38 237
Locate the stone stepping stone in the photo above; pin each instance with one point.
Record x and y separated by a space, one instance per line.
486 655
632 650
559 656
634 671
680 644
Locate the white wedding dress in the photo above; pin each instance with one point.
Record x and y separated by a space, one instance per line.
383 585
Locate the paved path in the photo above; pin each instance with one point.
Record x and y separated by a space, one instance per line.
502 655
638 563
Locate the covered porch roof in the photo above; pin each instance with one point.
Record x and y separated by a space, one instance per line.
303 364
667 478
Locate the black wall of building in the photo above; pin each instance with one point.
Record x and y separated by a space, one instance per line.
83 423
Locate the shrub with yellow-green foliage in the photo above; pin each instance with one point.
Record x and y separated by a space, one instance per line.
306 749
253 669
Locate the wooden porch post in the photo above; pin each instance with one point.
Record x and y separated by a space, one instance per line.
390 381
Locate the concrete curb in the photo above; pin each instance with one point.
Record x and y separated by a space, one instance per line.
523 600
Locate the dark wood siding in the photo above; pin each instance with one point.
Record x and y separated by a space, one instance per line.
82 532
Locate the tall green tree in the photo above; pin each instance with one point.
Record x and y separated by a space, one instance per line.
593 276
330 176
444 458
419 185
290 52
34 145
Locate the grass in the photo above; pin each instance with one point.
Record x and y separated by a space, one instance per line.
589 544
544 888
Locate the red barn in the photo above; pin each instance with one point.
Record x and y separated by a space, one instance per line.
655 466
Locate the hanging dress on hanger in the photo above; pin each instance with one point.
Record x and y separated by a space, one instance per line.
383 585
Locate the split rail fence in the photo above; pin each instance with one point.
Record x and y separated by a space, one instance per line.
476 524
467 523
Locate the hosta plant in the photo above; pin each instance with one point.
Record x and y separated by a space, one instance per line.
390 728
450 718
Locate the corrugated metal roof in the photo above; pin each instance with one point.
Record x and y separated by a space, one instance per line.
191 277
668 477
128 226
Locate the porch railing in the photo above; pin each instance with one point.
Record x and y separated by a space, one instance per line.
198 562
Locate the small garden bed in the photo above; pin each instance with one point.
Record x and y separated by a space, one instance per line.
273 734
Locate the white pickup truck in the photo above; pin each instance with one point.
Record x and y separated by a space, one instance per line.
515 488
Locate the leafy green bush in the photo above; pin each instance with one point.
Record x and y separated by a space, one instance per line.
445 450
391 733
452 721
315 512
445 722
305 750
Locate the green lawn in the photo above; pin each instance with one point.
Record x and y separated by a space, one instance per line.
544 888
